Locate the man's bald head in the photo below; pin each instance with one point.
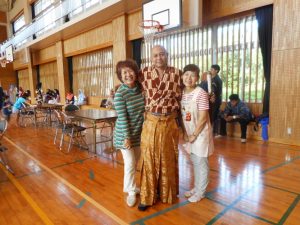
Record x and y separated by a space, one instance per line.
159 57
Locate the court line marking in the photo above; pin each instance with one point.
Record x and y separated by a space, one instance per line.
54 167
213 220
241 211
71 186
141 221
289 210
264 171
215 190
27 197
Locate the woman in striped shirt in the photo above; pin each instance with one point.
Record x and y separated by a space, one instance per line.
130 107
197 132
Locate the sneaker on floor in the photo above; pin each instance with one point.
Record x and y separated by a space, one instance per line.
189 193
218 136
195 198
243 140
142 207
131 200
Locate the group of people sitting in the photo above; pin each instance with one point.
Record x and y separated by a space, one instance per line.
50 96
76 100
152 104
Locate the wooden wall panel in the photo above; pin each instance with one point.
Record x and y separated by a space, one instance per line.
119 42
97 38
44 55
20 59
132 23
3 17
286 21
285 79
285 95
3 34
7 76
62 72
214 9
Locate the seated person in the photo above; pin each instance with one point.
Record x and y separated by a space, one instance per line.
70 98
19 104
48 96
7 108
236 111
103 103
110 100
55 98
81 100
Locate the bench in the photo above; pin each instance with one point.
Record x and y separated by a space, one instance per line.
93 102
234 130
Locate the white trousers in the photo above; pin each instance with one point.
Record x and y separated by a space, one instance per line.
130 157
201 173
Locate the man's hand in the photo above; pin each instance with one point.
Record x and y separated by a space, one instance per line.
228 118
127 143
212 98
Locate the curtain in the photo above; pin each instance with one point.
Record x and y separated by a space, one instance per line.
137 51
93 73
38 77
23 79
264 16
49 76
70 71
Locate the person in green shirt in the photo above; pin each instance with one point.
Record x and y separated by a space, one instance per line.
129 105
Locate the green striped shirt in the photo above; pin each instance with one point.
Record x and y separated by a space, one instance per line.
130 107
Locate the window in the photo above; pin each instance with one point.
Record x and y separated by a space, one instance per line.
40 6
184 47
93 72
18 24
232 44
240 59
78 7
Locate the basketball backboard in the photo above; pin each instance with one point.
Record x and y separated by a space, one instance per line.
9 53
167 12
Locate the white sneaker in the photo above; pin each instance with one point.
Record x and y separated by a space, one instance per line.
188 194
218 136
195 198
131 200
243 140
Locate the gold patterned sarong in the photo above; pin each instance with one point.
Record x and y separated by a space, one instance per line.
159 159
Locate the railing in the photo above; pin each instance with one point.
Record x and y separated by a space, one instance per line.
58 14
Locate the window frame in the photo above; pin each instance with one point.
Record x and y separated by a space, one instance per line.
16 19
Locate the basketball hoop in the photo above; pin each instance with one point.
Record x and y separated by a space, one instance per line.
148 28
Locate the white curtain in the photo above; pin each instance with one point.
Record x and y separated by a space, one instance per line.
23 77
49 76
93 73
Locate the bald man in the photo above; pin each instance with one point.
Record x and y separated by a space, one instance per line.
159 141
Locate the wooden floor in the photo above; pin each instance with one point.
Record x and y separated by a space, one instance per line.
252 183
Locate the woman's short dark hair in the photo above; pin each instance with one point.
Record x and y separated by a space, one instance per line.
193 68
129 63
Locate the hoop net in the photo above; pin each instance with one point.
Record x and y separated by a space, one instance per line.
148 28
